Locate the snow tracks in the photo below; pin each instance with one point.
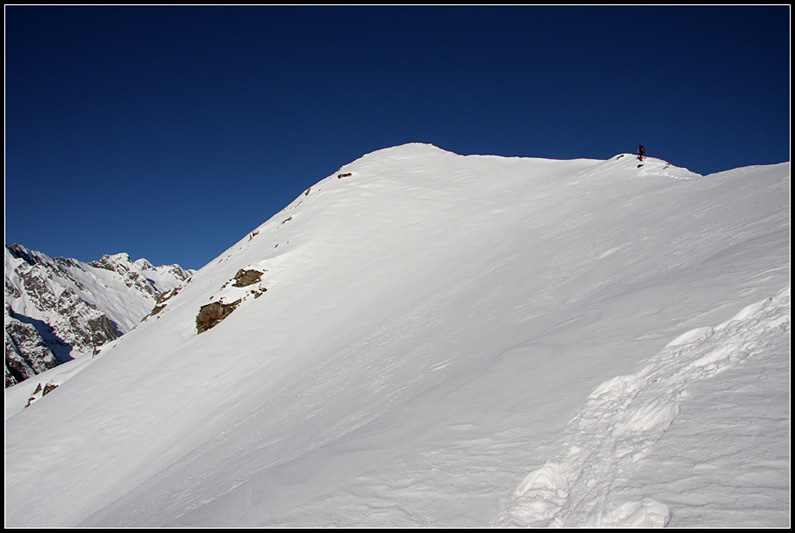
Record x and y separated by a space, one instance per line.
623 419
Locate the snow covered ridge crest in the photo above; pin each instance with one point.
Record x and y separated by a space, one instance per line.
623 419
416 151
57 309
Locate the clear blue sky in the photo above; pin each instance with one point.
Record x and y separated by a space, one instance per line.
171 132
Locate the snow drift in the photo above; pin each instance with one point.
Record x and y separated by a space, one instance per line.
444 340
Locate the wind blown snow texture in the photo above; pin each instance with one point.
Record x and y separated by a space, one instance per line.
445 340
623 419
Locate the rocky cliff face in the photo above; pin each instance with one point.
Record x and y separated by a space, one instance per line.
26 351
57 309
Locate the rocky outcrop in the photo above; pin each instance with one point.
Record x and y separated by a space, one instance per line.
162 302
41 392
244 278
212 314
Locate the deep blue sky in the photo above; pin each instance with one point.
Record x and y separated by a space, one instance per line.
171 132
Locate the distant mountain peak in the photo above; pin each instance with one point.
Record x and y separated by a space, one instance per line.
57 309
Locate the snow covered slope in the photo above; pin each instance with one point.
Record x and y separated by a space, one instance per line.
58 309
429 339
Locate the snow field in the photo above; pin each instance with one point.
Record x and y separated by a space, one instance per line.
623 419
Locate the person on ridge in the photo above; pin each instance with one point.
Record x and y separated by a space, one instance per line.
641 151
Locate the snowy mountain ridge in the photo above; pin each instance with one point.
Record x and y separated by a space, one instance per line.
429 339
58 309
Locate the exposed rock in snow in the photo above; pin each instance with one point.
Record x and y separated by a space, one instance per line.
212 314
244 278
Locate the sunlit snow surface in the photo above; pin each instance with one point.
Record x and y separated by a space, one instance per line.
453 341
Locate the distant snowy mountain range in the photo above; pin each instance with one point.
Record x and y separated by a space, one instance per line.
58 309
425 339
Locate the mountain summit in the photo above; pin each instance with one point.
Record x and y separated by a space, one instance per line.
429 339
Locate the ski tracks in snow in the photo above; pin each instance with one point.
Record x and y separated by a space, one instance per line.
622 420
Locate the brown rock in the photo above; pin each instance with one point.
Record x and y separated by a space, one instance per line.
212 314
244 278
